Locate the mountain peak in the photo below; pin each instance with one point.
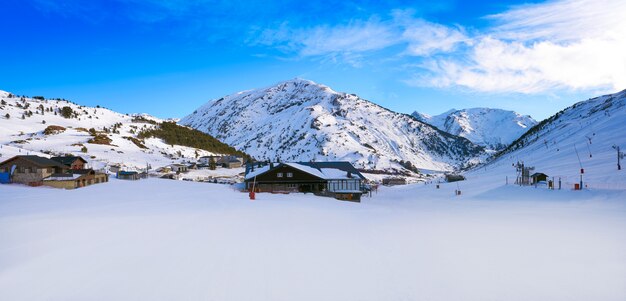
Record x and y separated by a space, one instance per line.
298 84
488 127
300 120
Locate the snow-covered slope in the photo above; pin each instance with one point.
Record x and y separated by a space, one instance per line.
302 120
492 128
23 122
587 130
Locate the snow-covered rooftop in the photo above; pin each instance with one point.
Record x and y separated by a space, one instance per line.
323 172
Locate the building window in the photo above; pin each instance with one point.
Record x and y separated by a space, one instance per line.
279 175
289 175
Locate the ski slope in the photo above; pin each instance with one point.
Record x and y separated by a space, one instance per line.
581 136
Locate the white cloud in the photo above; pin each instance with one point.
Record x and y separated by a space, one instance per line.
562 21
418 36
566 44
574 45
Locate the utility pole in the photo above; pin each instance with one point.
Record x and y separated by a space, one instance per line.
619 167
619 156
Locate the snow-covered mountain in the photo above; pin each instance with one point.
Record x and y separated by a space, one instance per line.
37 126
580 136
302 120
492 128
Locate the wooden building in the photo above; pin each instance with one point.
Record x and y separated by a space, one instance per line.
76 178
334 179
31 170
72 162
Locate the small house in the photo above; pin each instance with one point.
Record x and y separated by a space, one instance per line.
334 179
128 175
31 170
72 162
230 162
76 178
394 181
539 177
178 168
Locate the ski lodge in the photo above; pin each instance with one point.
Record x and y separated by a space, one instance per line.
333 179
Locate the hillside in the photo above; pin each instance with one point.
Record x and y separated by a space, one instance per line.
580 136
300 120
104 137
491 128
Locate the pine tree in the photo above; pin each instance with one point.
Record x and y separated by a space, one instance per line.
67 112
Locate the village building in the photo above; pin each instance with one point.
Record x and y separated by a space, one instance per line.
36 171
539 177
334 179
206 160
76 178
128 175
230 162
72 162
31 170
394 181
178 168
164 169
114 168
203 166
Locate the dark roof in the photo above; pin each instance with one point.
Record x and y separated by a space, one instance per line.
68 160
537 174
127 173
38 161
341 165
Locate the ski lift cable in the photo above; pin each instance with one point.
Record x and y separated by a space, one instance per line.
579 162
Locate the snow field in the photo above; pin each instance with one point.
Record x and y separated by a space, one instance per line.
162 240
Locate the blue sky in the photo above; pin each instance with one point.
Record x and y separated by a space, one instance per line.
167 57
